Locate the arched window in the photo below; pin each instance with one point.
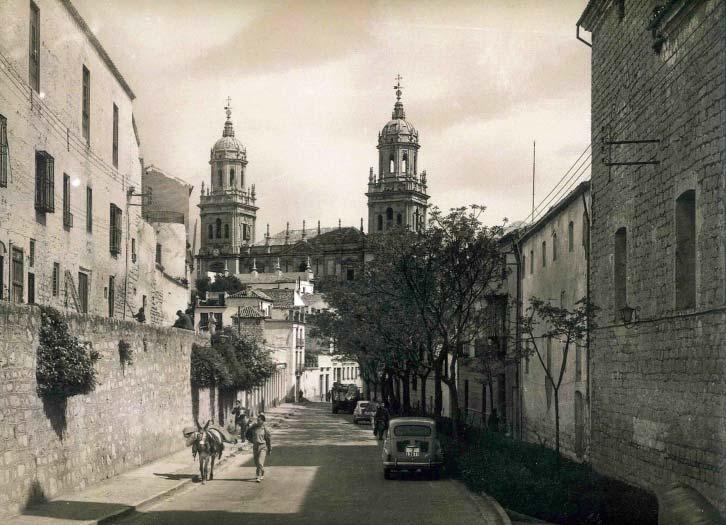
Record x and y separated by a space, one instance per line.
220 179
531 262
218 224
210 232
391 164
389 214
620 270
554 246
231 178
399 219
544 254
570 236
380 222
301 267
404 163
685 276
226 231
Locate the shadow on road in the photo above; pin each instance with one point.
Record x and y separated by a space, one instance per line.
323 469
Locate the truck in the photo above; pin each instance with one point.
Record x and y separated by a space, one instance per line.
344 397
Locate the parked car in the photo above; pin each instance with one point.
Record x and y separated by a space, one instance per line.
411 444
364 411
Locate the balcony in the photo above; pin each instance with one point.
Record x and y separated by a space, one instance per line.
172 217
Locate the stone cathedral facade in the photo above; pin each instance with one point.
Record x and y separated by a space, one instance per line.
396 198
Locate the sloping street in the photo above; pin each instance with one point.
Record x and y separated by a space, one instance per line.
323 469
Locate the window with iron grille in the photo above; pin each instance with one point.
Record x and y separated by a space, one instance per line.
4 157
115 136
31 253
44 182
89 209
67 215
34 49
56 278
115 230
86 111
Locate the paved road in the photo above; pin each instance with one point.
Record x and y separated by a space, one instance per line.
323 469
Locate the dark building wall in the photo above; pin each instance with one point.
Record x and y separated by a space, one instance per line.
658 392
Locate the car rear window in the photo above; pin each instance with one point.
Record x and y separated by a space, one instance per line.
412 430
363 405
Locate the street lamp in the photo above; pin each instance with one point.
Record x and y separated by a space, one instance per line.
627 314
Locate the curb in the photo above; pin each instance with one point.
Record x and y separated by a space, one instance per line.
486 505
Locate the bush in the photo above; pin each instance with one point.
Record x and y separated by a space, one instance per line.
125 353
208 368
65 365
524 477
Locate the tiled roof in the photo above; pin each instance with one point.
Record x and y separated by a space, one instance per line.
251 293
282 297
249 312
295 236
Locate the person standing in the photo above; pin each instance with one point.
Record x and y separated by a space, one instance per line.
260 438
380 420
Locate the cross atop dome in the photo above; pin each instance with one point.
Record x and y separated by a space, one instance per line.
398 87
228 129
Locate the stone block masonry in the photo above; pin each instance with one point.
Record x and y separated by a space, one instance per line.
658 407
134 415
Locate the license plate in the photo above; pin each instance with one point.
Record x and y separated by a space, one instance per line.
413 451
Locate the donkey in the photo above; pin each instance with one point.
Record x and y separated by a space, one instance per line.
208 446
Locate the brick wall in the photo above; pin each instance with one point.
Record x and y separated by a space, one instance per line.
658 396
135 414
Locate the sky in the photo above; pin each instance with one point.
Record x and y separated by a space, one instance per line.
311 85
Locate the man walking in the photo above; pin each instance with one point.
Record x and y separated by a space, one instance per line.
259 436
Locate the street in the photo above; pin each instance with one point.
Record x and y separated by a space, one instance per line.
323 469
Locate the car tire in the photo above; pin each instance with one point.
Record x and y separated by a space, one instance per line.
386 473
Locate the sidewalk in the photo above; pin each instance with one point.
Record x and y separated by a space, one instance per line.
108 500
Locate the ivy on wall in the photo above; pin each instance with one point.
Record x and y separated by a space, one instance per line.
65 364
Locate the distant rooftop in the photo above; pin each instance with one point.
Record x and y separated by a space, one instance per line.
294 236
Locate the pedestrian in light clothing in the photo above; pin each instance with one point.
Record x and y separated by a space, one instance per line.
259 436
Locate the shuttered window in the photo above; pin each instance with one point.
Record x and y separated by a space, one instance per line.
44 182
4 157
115 230
34 48
86 111
67 215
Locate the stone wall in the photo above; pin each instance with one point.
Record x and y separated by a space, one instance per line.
658 392
134 415
561 280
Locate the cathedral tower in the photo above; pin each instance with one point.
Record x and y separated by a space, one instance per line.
227 205
397 196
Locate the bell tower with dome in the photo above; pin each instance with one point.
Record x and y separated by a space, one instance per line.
397 195
227 205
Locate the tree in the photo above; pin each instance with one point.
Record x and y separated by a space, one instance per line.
222 283
249 364
417 303
566 326
454 265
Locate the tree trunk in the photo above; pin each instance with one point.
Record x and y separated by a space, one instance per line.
451 382
557 425
406 394
423 393
438 396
